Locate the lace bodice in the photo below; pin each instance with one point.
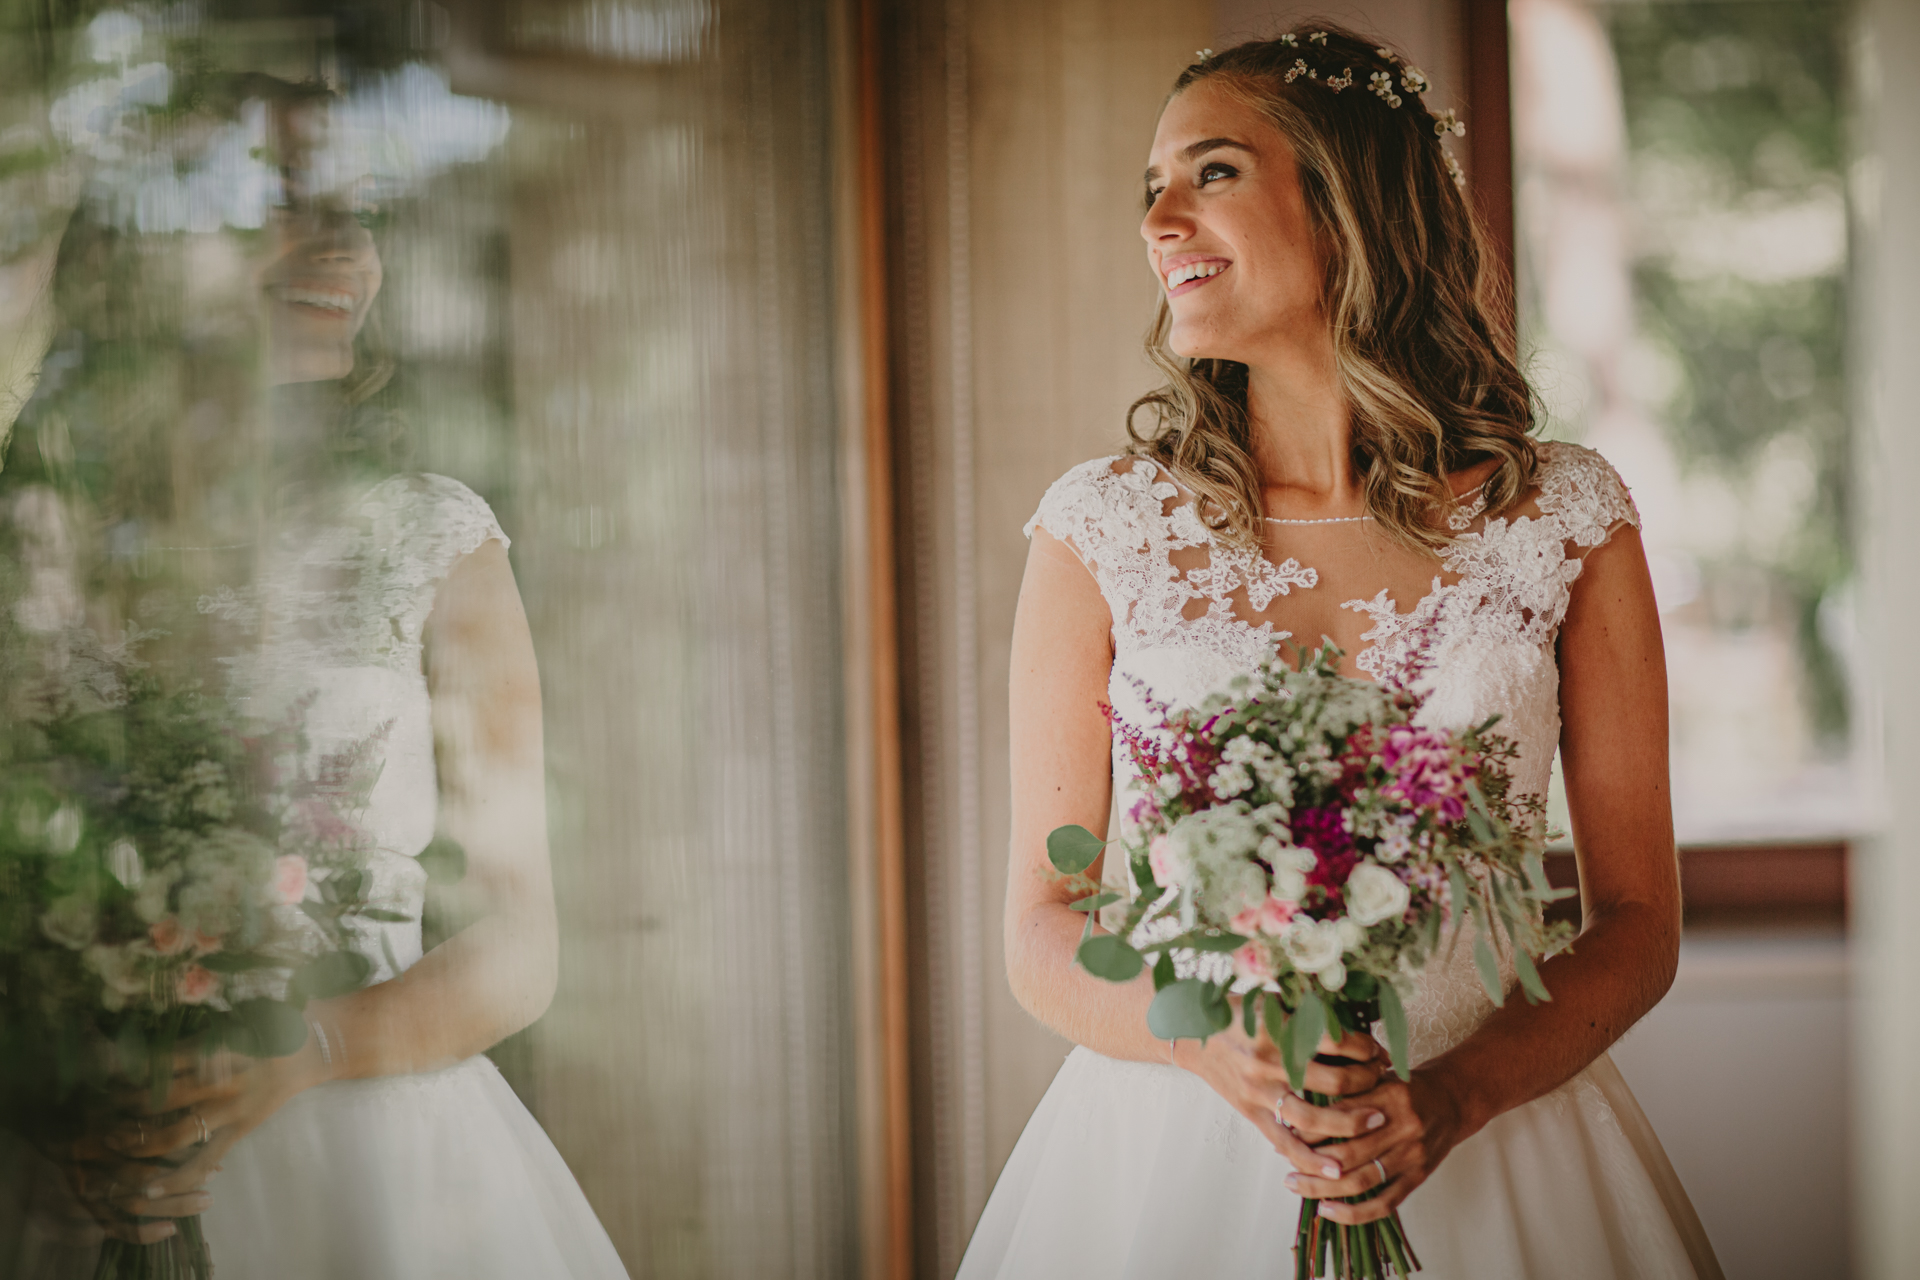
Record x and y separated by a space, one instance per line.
1190 612
338 612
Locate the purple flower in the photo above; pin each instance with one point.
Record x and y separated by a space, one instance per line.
1428 773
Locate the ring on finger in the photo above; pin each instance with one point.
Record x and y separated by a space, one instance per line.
1279 1112
1383 1170
200 1122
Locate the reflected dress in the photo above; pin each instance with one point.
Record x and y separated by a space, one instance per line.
1139 1171
407 1177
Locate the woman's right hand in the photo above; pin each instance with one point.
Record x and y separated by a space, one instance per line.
1252 1076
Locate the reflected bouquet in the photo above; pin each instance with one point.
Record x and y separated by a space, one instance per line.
171 885
1299 845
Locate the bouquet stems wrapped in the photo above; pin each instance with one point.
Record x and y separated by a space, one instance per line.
1298 846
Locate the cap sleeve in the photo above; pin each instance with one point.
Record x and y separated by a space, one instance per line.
1583 492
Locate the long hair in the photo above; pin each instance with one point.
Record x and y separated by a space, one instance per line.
1424 350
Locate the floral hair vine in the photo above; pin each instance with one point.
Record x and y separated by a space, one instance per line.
1381 85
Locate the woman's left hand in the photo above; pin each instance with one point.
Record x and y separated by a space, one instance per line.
225 1096
1423 1123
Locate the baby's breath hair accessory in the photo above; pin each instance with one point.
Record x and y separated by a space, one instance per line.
1201 55
1298 69
1290 40
1318 37
1454 170
1341 81
1447 123
1381 83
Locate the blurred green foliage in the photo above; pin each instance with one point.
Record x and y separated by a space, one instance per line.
1736 127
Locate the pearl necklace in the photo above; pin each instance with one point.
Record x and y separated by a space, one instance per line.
1328 520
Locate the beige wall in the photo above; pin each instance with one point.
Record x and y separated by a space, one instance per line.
1024 296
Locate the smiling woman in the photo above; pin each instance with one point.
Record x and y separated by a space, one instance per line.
1341 452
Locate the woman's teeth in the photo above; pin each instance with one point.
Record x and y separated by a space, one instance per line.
1193 271
323 298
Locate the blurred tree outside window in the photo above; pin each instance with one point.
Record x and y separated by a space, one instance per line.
1683 239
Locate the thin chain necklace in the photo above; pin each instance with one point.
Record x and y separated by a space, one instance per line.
1357 519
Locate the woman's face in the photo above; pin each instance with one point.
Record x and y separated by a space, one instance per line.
1227 229
317 281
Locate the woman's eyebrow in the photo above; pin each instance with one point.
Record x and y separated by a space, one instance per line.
1194 150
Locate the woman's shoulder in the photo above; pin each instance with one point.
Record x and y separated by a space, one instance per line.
1098 490
435 519
1579 489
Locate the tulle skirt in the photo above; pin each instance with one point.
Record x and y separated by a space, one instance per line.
1136 1171
443 1174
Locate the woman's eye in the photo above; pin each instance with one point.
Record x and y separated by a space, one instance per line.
1153 193
1209 172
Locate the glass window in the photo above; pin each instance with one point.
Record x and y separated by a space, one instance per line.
1683 246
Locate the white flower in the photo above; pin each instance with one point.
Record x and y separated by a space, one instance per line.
69 921
1289 884
123 860
1246 749
1230 780
63 829
1333 977
150 903
1232 890
120 969
1374 893
1396 842
1312 945
1351 934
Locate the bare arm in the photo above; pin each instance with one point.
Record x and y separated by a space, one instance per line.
1062 773
497 974
487 981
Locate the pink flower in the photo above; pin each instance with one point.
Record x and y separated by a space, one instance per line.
169 939
290 877
1251 963
1166 871
196 985
1427 772
1270 917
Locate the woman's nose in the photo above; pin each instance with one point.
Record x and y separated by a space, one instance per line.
1165 219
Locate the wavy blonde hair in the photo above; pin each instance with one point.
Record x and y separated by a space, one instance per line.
1424 350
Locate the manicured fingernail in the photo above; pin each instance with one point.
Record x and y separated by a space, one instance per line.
201 1201
155 1191
1326 1211
1331 1170
168 1230
1375 1120
1293 1182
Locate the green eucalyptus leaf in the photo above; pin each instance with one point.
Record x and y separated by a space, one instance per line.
1276 1022
337 973
1250 1012
1394 1015
233 962
1304 1029
1190 1009
267 1028
1198 941
1489 969
1529 977
1094 901
1163 975
383 915
1072 849
444 860
1108 956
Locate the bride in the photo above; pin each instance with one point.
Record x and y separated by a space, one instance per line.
388 1147
1341 450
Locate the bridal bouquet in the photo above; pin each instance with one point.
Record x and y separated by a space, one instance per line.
1301 843
171 885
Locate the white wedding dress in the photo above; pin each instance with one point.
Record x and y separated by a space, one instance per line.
1139 1171
407 1177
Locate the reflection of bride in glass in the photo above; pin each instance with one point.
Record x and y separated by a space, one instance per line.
387 1146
